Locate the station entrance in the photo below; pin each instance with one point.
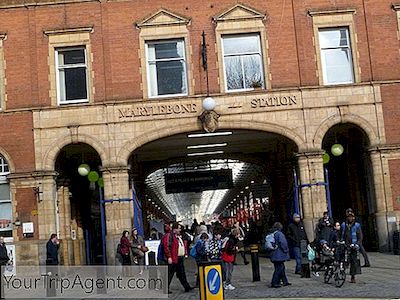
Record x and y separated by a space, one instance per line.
351 178
230 175
78 198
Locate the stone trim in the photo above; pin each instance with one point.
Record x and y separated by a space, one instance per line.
88 29
165 17
230 14
313 13
336 18
396 7
241 19
170 26
3 94
69 37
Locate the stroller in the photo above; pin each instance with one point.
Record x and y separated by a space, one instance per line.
332 262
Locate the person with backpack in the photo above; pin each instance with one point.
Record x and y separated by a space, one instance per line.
199 252
175 252
229 250
279 255
352 236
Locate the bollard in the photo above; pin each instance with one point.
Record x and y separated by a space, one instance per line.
210 285
255 263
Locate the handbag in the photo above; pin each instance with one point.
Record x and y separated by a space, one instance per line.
144 249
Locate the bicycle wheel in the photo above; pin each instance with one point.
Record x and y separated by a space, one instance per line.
328 275
340 278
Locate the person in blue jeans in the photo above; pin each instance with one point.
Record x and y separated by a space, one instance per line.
278 258
296 234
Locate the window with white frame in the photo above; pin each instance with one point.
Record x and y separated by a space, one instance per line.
243 65
5 201
72 83
166 68
336 55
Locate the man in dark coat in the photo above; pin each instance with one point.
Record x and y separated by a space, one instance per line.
52 247
297 234
352 236
324 227
4 259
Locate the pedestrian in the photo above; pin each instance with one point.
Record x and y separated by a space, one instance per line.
4 260
324 227
334 237
200 252
137 247
297 234
215 246
193 228
174 250
352 236
241 244
278 258
125 247
52 246
229 251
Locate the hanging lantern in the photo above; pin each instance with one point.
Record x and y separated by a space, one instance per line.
337 149
83 169
326 158
93 176
100 182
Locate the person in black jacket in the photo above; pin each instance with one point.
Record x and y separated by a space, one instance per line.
52 247
324 227
297 234
4 259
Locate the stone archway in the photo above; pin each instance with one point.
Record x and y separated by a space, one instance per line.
351 177
158 133
53 151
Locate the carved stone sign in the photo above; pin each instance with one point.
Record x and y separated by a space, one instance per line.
272 101
147 110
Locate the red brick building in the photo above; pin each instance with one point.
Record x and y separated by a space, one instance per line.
70 70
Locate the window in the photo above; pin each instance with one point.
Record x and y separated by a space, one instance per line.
242 62
71 75
336 56
5 201
166 68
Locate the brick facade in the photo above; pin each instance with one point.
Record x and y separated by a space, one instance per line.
33 128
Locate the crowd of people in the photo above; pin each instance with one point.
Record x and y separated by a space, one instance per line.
226 244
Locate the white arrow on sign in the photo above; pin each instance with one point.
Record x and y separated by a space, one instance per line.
211 283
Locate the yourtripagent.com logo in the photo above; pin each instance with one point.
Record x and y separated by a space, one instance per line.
87 281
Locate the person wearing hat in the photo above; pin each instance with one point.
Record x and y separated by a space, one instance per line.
352 236
297 236
362 249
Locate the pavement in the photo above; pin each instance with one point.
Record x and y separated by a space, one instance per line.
381 280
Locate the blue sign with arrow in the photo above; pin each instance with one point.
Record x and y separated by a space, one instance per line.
213 281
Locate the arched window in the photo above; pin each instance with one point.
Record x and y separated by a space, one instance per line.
5 200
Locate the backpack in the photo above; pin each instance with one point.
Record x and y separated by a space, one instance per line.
193 252
270 243
161 250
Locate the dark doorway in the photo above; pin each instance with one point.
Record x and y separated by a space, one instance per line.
350 176
83 195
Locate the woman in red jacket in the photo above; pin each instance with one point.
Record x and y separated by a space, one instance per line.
229 251
125 248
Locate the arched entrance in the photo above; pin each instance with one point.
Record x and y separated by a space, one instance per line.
79 208
351 178
260 165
